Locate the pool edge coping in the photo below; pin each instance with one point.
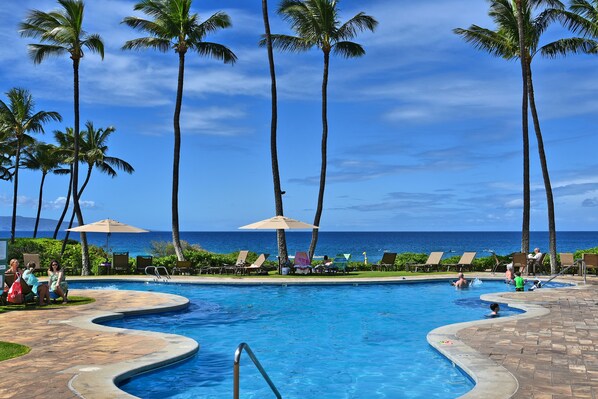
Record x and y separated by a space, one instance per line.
491 379
100 381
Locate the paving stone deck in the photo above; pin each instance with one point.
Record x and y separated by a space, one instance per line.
552 356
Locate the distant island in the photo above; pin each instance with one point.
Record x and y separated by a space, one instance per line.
28 224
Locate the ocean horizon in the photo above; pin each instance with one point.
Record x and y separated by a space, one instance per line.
373 243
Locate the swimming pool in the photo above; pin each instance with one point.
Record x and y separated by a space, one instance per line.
333 341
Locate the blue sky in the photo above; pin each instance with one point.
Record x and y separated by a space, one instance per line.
424 131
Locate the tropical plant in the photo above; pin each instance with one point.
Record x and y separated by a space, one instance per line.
45 158
175 27
280 234
504 42
19 120
94 151
65 147
6 153
316 23
61 32
582 18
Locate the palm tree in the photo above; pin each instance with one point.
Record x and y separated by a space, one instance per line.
65 140
63 32
6 153
42 157
280 234
19 120
94 151
316 24
582 18
504 42
174 27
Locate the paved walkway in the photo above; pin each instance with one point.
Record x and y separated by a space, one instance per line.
551 356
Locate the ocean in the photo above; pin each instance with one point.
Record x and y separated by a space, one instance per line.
355 243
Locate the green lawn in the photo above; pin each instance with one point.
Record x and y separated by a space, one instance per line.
73 301
9 350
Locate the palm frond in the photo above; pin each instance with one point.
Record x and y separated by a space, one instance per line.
288 43
216 51
95 44
358 23
39 52
574 45
348 49
163 45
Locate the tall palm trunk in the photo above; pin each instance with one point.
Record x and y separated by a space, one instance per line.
314 234
66 236
66 206
39 204
280 234
176 241
84 248
13 227
545 174
524 130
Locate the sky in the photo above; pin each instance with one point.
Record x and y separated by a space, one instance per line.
424 130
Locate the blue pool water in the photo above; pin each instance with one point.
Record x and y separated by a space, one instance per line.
334 341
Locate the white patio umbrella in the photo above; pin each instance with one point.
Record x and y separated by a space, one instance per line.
278 223
107 226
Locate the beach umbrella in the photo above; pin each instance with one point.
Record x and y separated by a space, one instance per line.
107 226
278 223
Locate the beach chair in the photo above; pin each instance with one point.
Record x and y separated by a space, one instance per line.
143 261
183 267
257 266
35 259
590 261
340 263
567 261
386 263
519 261
120 262
302 264
465 262
433 262
240 262
26 290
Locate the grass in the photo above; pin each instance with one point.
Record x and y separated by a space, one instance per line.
73 301
9 350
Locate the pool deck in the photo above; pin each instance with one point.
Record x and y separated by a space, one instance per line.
551 352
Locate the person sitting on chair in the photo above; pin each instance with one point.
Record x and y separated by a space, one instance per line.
58 285
40 290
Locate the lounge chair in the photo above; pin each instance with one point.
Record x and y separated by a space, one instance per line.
465 262
433 262
240 262
590 261
256 266
568 261
340 263
519 261
386 263
120 262
183 267
143 262
302 264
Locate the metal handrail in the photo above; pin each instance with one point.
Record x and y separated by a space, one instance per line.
236 369
156 272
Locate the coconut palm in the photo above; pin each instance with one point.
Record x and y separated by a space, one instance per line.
280 234
61 32
19 120
316 23
65 147
504 42
175 27
45 158
582 18
93 153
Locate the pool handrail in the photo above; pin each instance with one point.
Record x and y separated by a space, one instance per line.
236 369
